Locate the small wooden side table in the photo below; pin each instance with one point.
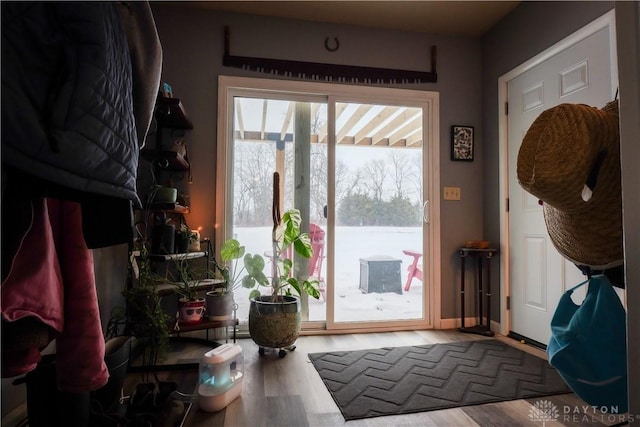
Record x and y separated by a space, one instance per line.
481 255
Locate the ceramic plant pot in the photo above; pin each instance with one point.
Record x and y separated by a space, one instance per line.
191 312
163 239
275 324
165 194
181 243
219 307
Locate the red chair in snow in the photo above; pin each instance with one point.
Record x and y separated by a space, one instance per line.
316 234
414 269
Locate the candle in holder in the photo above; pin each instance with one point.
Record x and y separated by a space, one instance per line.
194 242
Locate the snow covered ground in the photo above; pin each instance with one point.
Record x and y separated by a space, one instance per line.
352 245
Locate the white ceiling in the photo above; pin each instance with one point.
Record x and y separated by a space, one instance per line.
465 18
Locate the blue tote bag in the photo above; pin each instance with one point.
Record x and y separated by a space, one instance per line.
588 345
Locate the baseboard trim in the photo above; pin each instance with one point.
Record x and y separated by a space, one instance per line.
468 321
457 322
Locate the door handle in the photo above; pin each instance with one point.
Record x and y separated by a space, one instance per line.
325 211
425 212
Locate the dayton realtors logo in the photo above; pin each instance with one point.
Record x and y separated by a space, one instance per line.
545 411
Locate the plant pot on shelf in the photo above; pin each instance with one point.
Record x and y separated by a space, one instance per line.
164 194
181 243
219 306
274 324
190 312
163 239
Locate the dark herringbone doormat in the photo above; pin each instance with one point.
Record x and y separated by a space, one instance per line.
402 380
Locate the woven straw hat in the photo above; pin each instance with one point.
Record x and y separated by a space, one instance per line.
570 159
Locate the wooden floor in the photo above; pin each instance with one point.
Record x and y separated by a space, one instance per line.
281 392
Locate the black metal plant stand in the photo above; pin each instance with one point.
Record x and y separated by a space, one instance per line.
481 255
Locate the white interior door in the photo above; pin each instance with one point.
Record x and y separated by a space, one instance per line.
539 275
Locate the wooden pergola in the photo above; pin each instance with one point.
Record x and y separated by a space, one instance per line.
364 125
402 126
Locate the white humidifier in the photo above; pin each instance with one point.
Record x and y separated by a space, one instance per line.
220 377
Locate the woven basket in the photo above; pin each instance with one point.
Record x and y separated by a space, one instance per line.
559 153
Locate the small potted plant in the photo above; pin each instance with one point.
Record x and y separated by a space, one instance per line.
233 275
144 316
191 306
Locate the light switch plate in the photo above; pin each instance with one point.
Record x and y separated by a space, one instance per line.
451 193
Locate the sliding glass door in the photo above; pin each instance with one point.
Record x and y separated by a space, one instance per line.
354 165
277 134
379 212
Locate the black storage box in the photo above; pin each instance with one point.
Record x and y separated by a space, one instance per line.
380 274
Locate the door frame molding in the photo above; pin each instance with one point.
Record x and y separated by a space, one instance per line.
605 21
430 100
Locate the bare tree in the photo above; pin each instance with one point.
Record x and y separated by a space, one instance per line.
346 181
318 178
252 181
416 173
241 185
318 121
375 172
401 168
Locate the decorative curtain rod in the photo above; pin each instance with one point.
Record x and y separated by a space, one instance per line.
329 72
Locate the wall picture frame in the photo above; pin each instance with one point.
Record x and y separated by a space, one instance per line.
462 143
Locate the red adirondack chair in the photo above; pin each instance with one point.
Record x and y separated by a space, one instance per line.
414 269
316 233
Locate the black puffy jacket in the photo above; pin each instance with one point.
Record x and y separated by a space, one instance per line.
68 123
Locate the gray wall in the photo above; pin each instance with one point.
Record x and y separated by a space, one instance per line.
192 41
504 47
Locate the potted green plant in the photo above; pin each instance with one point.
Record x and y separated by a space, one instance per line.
275 319
191 305
220 300
232 275
143 315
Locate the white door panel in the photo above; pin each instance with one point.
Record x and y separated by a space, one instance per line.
539 275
